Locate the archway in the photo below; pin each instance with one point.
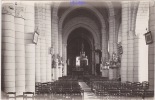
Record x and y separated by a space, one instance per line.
75 40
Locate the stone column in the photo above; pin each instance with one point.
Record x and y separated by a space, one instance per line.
112 73
151 56
112 35
8 47
29 47
112 44
136 61
40 23
37 55
130 46
64 47
55 36
48 41
104 51
19 50
141 49
44 45
30 67
38 62
130 56
124 62
43 58
132 42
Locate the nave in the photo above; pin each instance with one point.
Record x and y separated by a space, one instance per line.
86 88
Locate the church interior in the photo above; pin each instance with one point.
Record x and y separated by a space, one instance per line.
77 50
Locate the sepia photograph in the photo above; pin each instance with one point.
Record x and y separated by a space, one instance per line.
77 50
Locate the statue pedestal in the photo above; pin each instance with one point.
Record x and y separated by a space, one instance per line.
60 70
113 72
105 73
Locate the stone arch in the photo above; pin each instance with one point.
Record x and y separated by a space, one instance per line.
84 22
86 6
96 12
67 32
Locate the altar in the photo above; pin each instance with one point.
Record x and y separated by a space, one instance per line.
77 71
81 65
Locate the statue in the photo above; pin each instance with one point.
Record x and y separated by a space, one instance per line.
114 60
54 61
104 66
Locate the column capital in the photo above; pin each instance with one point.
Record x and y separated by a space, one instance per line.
19 11
8 8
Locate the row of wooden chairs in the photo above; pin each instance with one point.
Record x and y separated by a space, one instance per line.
117 88
90 79
64 86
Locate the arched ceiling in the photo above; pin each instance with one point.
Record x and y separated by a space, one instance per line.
82 11
81 33
101 7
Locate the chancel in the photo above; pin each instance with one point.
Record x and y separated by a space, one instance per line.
77 49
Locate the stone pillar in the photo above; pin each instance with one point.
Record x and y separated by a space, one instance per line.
40 24
55 28
65 58
38 46
130 46
130 56
8 47
132 42
136 61
124 62
30 67
151 56
55 37
19 50
141 49
112 44
112 73
43 58
48 41
60 45
38 62
104 51
44 45
60 70
29 47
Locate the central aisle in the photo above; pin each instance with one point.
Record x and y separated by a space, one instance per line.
88 94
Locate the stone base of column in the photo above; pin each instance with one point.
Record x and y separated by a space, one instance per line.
112 73
105 73
65 70
60 71
55 72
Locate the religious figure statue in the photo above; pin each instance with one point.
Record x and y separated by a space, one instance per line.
114 60
54 61
120 51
